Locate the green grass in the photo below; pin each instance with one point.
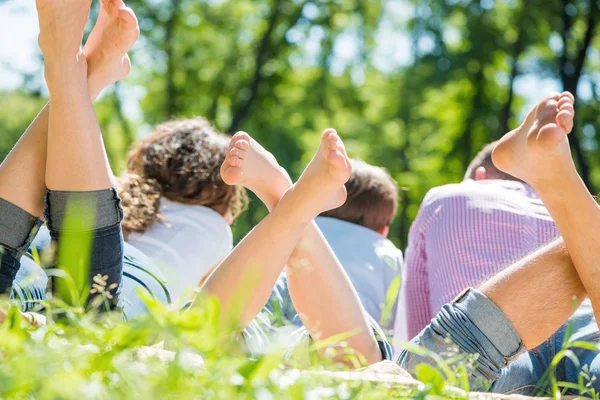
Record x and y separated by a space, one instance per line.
82 354
85 354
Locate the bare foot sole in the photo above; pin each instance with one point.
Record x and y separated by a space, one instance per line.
322 182
113 35
248 164
538 151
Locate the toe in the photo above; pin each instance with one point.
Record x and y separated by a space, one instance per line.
568 95
235 152
553 96
235 161
327 133
565 120
563 101
111 7
333 145
242 144
336 159
567 106
241 136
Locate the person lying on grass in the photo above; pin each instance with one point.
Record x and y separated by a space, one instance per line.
315 292
63 151
466 232
61 159
497 322
516 322
177 209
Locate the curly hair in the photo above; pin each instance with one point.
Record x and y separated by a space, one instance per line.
181 161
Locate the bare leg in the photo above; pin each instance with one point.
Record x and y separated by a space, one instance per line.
23 172
537 293
319 287
266 249
538 153
75 150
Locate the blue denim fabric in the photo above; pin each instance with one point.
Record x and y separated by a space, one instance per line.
106 259
17 229
523 376
477 326
139 274
279 319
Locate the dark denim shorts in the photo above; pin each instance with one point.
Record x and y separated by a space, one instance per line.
139 275
18 230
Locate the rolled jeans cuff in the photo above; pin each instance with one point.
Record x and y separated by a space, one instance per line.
475 325
17 227
104 205
17 230
492 322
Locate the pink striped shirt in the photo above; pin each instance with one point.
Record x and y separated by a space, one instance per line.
465 233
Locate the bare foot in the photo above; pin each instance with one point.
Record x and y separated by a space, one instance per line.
114 33
538 151
321 185
61 30
248 164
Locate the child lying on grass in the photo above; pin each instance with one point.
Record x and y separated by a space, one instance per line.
177 209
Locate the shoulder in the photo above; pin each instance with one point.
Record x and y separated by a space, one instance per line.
442 197
460 193
452 191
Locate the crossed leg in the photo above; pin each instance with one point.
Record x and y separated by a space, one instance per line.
321 291
23 172
538 153
527 303
62 127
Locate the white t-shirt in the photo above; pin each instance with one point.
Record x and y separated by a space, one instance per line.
191 240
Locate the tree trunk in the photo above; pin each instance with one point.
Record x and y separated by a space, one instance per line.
570 71
171 108
243 109
506 112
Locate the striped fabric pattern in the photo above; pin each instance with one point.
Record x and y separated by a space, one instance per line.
465 233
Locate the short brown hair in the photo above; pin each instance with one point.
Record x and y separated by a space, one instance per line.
181 161
484 159
372 197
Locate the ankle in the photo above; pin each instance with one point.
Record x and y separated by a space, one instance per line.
65 72
295 205
565 188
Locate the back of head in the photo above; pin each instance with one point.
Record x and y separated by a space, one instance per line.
372 198
181 161
482 166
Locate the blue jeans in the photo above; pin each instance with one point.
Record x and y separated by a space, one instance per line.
18 229
477 326
139 274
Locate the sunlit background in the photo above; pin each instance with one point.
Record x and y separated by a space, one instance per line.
415 86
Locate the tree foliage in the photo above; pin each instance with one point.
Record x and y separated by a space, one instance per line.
416 86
